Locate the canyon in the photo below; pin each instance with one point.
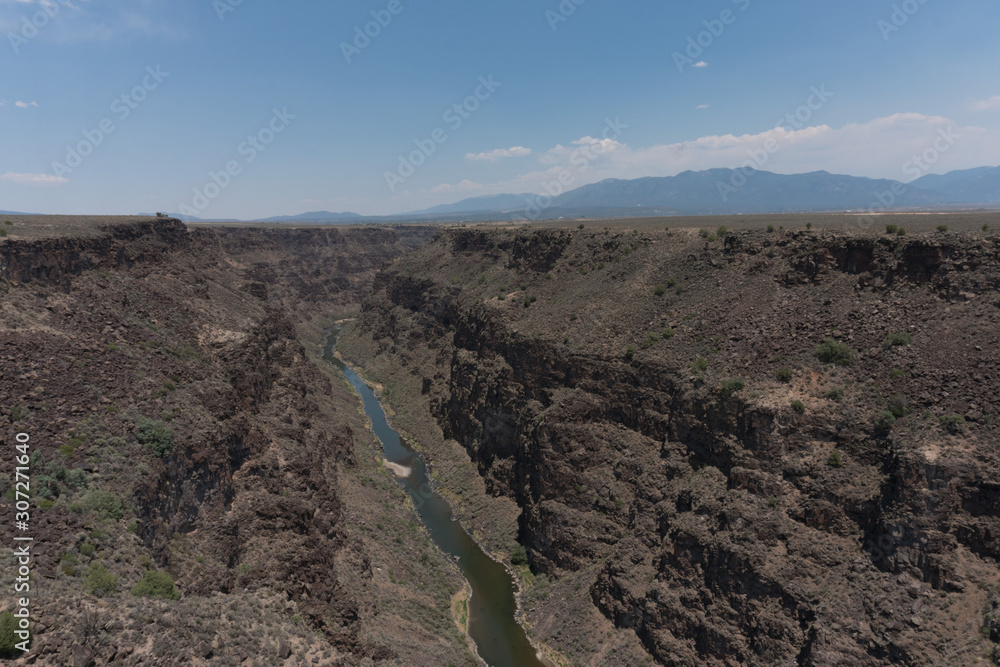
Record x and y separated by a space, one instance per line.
653 413
754 446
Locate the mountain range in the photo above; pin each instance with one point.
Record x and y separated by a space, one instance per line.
713 191
728 191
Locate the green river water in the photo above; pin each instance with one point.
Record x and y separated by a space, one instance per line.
499 638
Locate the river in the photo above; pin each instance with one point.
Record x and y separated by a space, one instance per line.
499 638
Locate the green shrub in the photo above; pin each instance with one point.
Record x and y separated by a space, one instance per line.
901 232
668 334
46 504
700 364
835 394
103 503
8 629
629 352
898 407
898 339
770 228
519 556
799 407
99 581
74 479
834 352
783 374
580 226
157 435
671 282
896 373
730 387
891 229
156 585
3 232
953 423
87 549
835 460
884 420
721 232
17 413
660 290
942 228
986 227
650 340
703 233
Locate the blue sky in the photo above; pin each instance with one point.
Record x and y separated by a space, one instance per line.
329 122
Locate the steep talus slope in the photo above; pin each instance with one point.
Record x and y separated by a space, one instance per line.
685 459
180 425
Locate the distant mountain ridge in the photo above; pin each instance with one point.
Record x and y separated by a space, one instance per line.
729 191
485 203
315 216
966 186
708 192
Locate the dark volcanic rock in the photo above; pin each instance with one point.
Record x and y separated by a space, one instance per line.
725 527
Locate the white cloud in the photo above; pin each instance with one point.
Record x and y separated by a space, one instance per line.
586 148
499 154
700 63
33 179
701 106
24 105
879 148
463 186
988 105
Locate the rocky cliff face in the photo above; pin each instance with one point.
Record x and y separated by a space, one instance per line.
180 425
685 458
56 259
